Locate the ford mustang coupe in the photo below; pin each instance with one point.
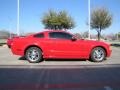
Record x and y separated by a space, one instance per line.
59 45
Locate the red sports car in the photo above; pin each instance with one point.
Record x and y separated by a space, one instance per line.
59 45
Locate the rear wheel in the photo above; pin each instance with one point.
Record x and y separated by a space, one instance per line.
98 54
33 55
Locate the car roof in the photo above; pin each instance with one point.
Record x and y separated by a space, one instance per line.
54 31
48 31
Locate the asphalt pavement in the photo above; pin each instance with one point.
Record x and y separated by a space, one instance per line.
87 78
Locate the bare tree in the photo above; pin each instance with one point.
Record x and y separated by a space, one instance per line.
100 20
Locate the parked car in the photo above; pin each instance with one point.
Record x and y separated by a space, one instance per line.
59 45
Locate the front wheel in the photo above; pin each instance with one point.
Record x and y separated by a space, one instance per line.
98 54
33 55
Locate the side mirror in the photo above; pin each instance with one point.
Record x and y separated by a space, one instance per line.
73 38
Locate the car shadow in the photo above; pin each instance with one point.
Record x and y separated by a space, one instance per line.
65 60
24 59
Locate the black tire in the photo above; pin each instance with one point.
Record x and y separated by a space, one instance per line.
98 54
33 55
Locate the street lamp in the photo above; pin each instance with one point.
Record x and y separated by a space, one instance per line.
18 32
89 19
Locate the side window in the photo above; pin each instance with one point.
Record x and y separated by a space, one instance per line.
60 35
40 35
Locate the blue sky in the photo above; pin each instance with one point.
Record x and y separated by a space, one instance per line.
31 12
8 14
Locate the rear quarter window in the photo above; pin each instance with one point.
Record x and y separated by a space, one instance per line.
40 35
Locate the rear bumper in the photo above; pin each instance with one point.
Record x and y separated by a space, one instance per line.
17 52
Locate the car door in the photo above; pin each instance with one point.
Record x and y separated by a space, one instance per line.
64 46
46 44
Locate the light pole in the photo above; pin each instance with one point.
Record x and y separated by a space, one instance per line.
89 19
10 36
18 28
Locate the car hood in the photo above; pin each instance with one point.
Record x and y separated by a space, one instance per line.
95 42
